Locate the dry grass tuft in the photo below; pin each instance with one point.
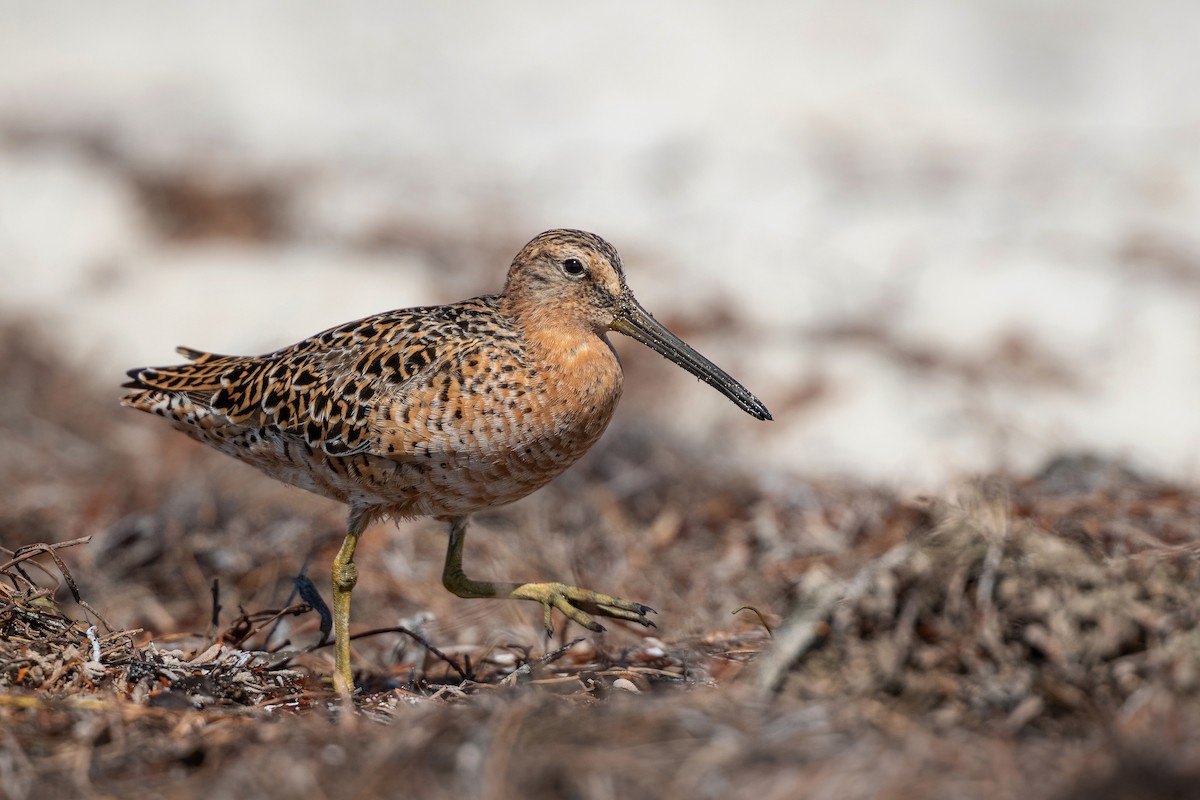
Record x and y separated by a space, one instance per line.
988 618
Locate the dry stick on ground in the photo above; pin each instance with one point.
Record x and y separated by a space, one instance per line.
244 626
27 552
548 658
418 638
809 622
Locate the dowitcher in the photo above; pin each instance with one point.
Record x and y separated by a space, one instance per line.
438 411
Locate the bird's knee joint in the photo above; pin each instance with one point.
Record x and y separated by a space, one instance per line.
345 576
454 580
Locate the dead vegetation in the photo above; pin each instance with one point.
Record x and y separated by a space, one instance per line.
988 619
1027 638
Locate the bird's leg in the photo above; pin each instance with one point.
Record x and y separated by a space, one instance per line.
345 575
574 602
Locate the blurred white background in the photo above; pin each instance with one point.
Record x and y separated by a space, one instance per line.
935 237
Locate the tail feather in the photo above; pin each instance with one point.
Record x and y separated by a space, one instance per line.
165 378
135 381
199 356
198 376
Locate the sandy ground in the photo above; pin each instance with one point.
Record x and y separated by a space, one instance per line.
952 247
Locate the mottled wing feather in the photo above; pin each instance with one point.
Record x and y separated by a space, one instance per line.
327 388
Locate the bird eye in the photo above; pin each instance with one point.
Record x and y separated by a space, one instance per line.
573 266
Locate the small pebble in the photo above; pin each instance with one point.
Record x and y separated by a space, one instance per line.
627 685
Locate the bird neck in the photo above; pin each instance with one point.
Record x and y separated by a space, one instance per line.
573 350
558 337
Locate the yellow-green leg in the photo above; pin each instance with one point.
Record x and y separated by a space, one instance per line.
345 575
573 601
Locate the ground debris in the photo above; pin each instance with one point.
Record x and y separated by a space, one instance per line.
989 617
43 650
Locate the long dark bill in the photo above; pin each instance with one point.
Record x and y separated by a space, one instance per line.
633 320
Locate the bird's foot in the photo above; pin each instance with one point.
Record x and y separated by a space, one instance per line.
578 605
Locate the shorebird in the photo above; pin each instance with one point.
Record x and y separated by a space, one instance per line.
438 411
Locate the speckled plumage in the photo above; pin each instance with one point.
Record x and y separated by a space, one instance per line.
439 410
429 411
